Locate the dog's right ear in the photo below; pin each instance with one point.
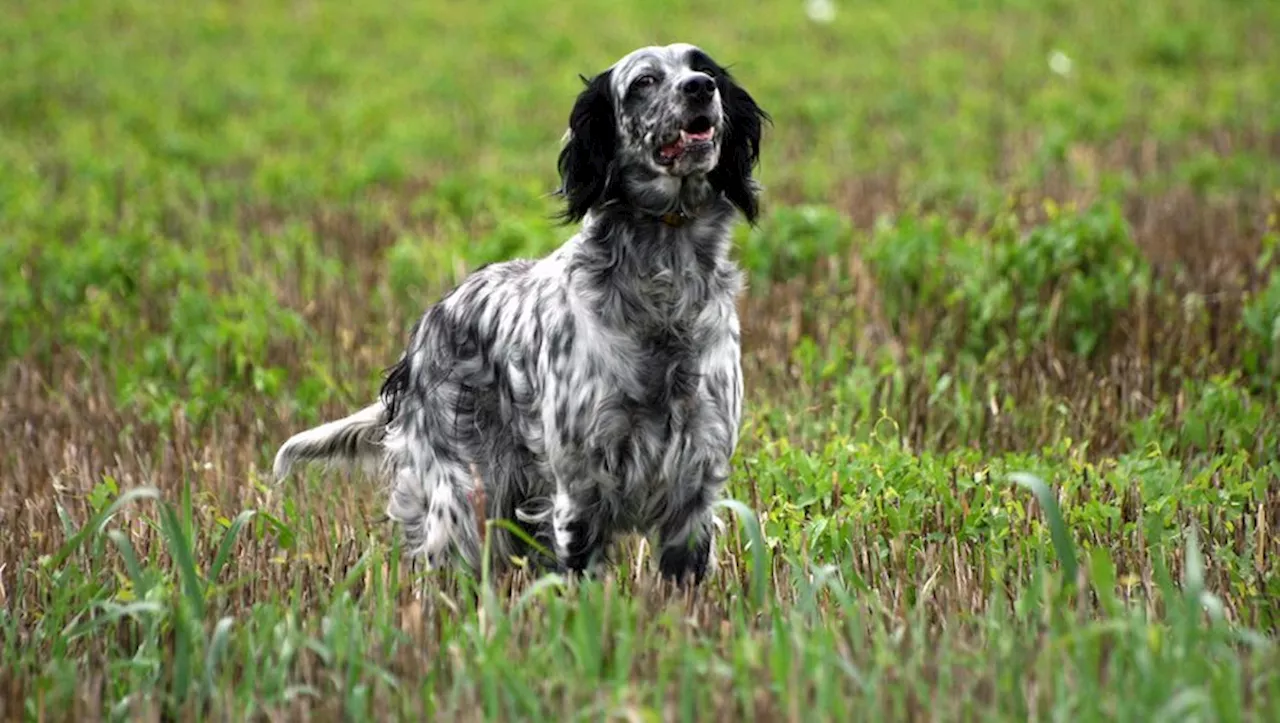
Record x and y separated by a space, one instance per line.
586 162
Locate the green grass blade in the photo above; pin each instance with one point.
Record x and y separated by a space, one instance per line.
285 534
131 563
1062 544
112 613
521 535
218 643
228 542
1193 583
759 552
184 559
1102 574
355 573
98 522
537 588
183 651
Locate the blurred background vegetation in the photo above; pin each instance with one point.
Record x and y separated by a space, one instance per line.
1000 235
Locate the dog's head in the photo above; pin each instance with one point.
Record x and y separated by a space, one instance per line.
656 120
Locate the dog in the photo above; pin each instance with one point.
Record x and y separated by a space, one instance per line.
596 391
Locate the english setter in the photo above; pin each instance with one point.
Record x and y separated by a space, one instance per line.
598 390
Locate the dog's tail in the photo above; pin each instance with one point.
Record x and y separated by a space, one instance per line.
356 440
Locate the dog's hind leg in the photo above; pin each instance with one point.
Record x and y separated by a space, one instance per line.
436 513
583 527
450 525
409 504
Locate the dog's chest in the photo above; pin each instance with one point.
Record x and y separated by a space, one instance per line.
644 406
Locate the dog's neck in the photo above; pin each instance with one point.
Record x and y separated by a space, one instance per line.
651 272
675 200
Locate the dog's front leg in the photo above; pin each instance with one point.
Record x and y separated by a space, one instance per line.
687 533
701 469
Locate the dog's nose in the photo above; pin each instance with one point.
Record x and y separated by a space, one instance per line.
698 87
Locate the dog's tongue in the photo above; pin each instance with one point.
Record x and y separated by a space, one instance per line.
675 148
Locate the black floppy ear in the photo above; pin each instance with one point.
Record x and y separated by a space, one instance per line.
586 161
740 149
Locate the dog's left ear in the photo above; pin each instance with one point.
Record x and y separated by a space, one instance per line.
741 146
586 162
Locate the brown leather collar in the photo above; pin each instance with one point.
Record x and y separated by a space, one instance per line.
674 219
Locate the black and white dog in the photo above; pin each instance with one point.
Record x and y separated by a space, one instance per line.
598 390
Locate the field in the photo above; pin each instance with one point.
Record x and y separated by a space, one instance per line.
1012 344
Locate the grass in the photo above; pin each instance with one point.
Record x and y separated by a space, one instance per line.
1012 344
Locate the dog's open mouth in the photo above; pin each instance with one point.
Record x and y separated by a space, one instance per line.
696 135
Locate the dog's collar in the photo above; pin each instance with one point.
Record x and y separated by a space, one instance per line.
678 218
675 219
681 217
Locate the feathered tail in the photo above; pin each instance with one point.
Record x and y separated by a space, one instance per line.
356 439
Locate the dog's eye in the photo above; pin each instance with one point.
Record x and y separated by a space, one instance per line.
643 81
